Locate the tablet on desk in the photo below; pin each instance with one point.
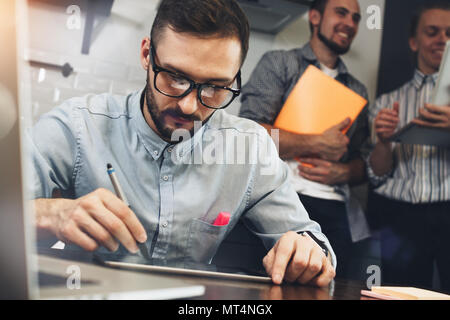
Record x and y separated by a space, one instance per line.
138 263
415 134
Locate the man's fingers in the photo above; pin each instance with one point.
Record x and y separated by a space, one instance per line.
319 171
282 256
299 263
316 178
316 162
396 106
71 233
95 230
385 124
386 120
387 113
385 130
114 225
268 260
431 116
314 266
436 109
295 258
327 274
125 214
343 124
387 117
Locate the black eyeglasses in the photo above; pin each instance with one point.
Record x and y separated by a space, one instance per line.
174 85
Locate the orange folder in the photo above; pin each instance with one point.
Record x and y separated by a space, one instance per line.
317 103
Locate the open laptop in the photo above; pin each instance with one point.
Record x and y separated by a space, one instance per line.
24 274
415 134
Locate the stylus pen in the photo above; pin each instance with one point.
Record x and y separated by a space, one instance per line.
121 195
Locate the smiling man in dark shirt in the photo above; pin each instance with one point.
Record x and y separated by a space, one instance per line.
336 157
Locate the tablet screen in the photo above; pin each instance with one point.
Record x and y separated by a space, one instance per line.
139 263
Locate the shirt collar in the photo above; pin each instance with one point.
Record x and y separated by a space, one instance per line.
308 54
185 147
420 79
150 139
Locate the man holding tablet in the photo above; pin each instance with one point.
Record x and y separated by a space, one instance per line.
165 144
412 182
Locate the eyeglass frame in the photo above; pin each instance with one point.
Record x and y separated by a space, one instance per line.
192 84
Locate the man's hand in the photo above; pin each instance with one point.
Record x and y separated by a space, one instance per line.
386 123
332 144
434 117
325 172
98 218
298 258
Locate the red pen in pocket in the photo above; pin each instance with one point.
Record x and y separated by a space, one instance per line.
222 219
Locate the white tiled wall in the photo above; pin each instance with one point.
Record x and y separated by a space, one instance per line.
49 87
113 62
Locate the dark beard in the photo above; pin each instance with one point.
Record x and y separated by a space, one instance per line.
333 46
158 116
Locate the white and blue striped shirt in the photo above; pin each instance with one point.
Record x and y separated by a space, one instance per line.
421 173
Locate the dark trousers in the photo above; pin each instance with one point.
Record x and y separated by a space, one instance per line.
332 217
413 237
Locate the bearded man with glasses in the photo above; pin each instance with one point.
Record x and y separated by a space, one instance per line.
175 84
192 60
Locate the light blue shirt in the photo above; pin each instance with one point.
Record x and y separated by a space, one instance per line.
178 190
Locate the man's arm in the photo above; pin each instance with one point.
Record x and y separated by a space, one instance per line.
382 158
98 218
275 214
331 145
333 173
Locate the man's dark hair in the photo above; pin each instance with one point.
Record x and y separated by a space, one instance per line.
318 5
203 18
428 5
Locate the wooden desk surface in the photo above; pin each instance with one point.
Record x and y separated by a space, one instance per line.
217 289
227 290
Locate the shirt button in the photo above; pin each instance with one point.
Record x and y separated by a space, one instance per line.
165 178
165 224
155 152
169 150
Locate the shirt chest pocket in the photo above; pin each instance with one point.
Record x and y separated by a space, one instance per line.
203 241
